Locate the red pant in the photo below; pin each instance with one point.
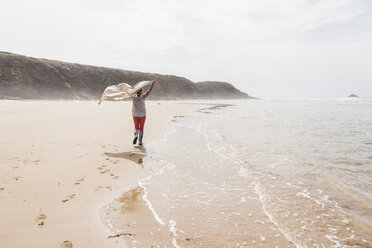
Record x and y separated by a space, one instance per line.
139 123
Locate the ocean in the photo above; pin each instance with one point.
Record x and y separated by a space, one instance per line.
258 173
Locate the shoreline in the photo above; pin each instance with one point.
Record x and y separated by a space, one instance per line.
70 177
132 215
63 161
268 220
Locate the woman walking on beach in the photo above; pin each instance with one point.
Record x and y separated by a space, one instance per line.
139 113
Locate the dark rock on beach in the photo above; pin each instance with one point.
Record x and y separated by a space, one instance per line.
24 77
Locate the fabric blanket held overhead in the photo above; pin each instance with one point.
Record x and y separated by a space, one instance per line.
122 91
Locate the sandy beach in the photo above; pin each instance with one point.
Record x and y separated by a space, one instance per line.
208 175
258 124
248 175
62 162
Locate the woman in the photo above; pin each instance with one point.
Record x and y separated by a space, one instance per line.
139 113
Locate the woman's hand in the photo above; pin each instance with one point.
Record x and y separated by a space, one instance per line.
149 90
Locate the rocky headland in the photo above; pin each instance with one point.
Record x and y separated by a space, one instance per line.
24 77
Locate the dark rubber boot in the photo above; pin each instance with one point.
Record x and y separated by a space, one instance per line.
135 137
140 139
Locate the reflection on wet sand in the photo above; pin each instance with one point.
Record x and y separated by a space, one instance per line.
134 221
269 185
130 199
135 155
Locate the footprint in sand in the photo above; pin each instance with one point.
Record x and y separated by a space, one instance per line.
113 176
102 171
41 220
78 181
66 244
72 196
2 188
103 187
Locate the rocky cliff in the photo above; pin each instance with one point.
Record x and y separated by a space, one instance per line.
24 77
219 90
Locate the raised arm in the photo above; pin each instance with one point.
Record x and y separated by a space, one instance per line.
149 90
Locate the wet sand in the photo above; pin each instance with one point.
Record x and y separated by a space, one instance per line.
204 190
70 177
63 162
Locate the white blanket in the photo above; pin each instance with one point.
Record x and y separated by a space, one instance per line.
122 91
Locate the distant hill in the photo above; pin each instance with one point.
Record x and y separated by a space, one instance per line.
24 77
219 90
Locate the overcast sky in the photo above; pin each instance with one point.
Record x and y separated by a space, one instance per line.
267 48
